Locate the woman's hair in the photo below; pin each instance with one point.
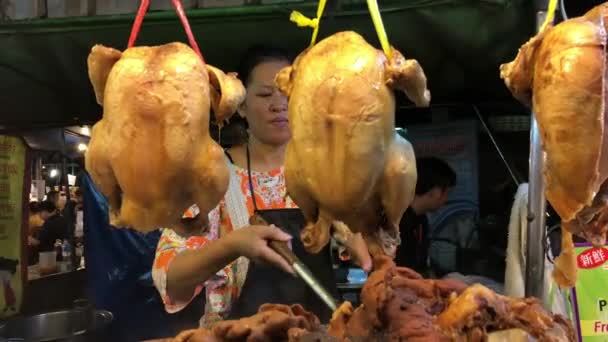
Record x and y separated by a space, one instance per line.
235 132
256 55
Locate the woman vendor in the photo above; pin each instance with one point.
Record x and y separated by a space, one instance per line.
231 259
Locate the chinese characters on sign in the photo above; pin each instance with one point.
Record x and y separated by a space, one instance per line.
12 172
592 257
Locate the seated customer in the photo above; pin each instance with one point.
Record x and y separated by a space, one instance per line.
435 179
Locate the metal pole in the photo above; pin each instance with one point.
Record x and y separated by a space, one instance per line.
535 256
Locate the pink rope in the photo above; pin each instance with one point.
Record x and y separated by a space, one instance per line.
139 18
179 9
182 17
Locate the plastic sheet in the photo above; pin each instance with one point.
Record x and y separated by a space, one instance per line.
119 264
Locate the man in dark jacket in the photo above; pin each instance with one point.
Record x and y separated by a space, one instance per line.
55 227
435 179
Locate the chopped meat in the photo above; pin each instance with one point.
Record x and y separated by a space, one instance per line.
479 310
399 305
273 322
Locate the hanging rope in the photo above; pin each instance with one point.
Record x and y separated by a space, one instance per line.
550 15
179 9
302 21
372 5
139 18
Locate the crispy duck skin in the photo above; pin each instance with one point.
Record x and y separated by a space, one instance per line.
345 164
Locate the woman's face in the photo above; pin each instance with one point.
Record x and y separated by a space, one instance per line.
265 107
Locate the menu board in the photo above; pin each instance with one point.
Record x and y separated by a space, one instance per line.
455 143
12 172
590 298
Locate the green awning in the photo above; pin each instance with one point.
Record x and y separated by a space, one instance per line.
459 43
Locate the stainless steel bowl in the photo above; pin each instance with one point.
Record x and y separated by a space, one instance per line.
67 325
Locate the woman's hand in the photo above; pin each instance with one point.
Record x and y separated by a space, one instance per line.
195 266
252 242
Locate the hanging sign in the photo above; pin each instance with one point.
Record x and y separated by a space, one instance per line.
590 298
12 172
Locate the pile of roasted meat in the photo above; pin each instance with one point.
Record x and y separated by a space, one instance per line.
273 322
561 74
398 305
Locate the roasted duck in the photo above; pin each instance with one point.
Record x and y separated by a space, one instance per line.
345 165
561 74
151 154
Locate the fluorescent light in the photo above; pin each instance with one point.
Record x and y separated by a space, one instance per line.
85 130
54 173
82 147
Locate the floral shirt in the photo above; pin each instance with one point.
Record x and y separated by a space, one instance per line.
223 289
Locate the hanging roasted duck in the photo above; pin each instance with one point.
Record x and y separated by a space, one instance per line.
346 167
151 154
561 74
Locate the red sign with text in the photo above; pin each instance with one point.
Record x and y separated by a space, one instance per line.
592 258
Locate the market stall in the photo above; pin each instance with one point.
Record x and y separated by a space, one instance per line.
460 58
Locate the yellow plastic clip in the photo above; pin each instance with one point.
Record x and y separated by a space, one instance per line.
372 5
302 21
550 15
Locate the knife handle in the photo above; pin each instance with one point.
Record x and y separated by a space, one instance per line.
283 250
278 246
